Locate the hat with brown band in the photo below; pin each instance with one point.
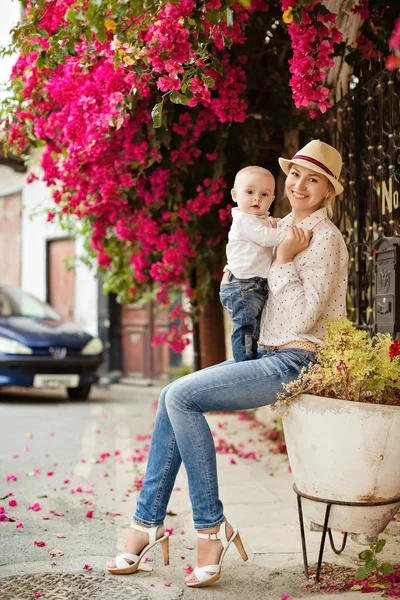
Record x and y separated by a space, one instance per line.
319 157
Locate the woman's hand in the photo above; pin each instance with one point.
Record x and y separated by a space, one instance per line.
297 239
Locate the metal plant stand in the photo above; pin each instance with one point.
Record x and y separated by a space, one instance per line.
326 528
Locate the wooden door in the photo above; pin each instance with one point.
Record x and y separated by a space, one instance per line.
60 282
10 240
140 359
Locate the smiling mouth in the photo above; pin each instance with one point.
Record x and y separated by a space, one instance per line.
299 196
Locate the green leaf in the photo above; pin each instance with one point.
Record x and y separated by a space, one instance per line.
356 588
366 555
101 35
209 81
386 568
364 572
178 98
217 65
229 17
156 114
380 544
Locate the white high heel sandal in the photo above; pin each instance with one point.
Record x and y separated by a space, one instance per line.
203 573
124 568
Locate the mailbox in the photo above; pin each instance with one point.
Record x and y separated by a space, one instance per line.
387 285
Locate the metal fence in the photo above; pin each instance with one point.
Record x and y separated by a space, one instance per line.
365 127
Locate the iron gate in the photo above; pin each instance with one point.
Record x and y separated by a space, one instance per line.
365 127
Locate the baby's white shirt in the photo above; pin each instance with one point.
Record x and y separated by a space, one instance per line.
250 243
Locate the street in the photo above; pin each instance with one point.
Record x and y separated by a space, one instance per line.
69 478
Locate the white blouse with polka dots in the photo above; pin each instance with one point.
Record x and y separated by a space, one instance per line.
308 289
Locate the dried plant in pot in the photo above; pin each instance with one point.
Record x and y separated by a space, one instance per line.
341 420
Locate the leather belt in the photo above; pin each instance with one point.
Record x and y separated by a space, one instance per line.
299 345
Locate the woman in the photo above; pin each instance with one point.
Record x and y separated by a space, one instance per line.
307 283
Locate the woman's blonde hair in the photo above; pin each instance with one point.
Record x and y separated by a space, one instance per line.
329 201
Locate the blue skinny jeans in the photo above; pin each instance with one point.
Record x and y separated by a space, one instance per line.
181 433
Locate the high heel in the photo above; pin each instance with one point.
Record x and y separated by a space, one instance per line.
125 568
202 574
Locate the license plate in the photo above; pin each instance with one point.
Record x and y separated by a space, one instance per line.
56 381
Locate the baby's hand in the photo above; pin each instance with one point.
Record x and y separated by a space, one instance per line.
274 222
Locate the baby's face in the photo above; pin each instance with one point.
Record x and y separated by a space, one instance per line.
254 192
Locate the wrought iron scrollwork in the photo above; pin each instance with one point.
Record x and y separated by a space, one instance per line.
364 126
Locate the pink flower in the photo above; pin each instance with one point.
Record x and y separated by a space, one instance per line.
169 531
87 567
35 507
38 594
89 514
285 598
19 526
50 473
12 503
39 544
11 478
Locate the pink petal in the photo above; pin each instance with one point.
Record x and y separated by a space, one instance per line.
39 544
60 535
19 526
53 564
50 473
188 569
170 531
12 503
38 594
11 478
87 567
167 584
89 514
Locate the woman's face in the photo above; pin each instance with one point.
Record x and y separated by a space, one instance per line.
306 189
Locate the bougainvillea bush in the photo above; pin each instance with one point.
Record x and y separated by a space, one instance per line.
144 111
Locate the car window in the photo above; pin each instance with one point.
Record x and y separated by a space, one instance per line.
5 306
22 304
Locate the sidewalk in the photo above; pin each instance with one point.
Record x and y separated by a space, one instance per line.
98 451
260 501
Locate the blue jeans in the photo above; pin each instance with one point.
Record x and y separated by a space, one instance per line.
181 432
244 300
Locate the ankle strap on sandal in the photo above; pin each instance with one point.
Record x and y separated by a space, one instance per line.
219 535
211 536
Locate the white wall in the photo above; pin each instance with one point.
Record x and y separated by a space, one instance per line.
36 199
10 11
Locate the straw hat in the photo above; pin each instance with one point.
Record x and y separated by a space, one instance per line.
319 157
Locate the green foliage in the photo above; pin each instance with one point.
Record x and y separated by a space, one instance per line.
351 366
371 562
178 372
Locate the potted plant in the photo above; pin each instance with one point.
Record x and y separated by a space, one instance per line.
341 420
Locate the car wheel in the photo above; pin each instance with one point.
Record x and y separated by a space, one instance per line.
79 393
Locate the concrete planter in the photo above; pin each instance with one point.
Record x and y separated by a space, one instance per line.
347 451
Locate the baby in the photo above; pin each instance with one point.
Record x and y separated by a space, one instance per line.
251 238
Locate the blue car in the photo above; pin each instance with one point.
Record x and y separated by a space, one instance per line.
39 349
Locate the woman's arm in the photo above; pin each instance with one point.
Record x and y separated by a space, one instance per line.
304 291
